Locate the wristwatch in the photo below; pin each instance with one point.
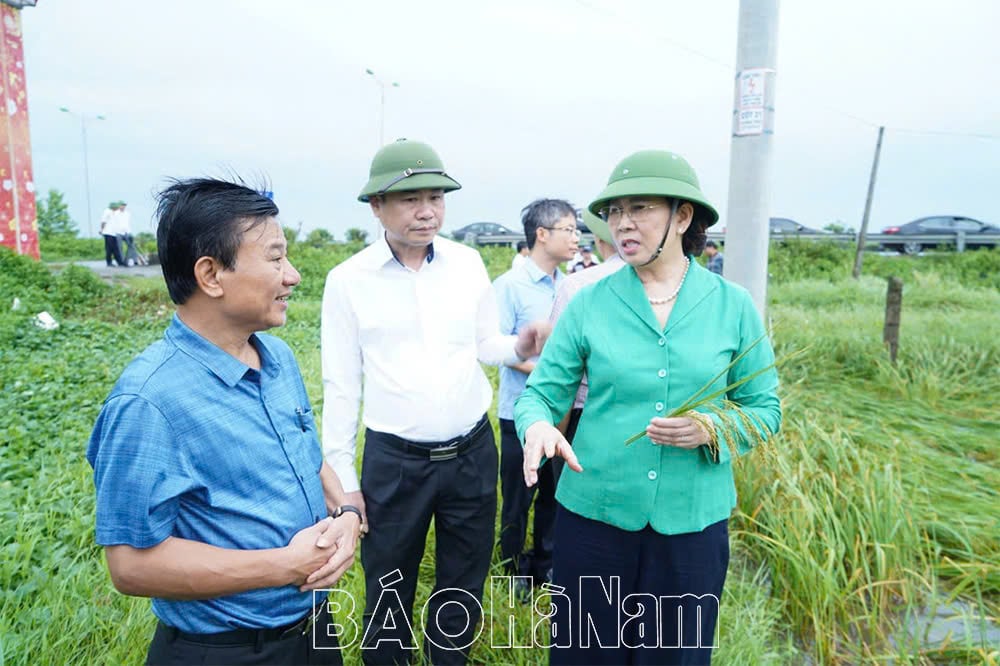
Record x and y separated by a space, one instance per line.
347 508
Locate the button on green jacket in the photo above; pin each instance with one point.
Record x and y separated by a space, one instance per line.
637 371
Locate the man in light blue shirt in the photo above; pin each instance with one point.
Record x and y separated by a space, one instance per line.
715 257
212 494
525 294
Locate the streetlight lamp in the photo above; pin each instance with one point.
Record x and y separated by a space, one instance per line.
381 122
86 167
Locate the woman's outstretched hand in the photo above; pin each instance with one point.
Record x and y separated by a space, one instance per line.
541 439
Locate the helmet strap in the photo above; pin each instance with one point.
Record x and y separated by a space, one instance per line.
666 232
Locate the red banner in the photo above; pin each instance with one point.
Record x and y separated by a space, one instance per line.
18 223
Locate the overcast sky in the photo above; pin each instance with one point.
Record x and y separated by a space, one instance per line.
522 99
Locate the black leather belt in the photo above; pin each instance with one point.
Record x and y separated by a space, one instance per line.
438 451
250 636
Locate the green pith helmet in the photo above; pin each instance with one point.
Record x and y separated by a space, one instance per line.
657 173
113 205
598 226
405 166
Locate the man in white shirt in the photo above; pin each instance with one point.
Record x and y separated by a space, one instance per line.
112 247
121 222
522 254
406 321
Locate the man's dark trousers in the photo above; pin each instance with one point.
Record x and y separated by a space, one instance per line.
308 646
517 499
112 250
403 490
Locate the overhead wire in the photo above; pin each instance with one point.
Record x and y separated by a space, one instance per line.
732 69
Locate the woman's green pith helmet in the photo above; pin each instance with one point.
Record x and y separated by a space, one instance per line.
657 173
405 166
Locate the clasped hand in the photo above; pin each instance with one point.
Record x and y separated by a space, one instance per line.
323 552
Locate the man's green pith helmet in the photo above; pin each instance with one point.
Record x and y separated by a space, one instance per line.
405 166
656 173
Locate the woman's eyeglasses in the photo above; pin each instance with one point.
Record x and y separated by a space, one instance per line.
635 212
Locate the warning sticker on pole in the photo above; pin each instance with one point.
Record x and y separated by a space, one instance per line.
750 102
750 122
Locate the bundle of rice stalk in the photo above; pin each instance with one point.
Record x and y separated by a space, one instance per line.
731 416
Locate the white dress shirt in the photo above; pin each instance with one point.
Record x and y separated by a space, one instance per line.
106 228
416 338
120 223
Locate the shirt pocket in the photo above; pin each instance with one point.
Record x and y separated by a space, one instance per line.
303 443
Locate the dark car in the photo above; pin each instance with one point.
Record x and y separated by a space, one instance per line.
782 226
476 230
939 224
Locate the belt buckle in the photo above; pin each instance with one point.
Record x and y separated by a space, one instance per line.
444 453
301 627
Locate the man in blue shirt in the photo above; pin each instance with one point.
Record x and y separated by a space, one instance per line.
212 494
715 257
525 294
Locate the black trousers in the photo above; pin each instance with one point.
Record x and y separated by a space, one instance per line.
112 250
312 648
661 568
517 499
403 491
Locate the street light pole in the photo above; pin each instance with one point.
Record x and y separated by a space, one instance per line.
86 162
381 121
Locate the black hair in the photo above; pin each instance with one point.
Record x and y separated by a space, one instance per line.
204 217
521 245
694 239
544 213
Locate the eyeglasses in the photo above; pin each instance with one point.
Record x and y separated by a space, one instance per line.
634 212
573 230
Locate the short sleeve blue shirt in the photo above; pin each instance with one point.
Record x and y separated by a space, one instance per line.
194 444
524 294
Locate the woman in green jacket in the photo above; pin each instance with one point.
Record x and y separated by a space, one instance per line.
641 536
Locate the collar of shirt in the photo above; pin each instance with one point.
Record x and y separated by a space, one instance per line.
538 275
697 285
381 253
224 365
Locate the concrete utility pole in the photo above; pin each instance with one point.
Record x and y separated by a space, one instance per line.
748 219
860 252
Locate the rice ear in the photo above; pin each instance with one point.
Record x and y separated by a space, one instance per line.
708 401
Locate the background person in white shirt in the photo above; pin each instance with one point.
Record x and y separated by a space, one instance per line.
112 247
522 254
121 222
407 321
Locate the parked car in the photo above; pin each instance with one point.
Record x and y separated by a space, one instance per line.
782 226
476 230
939 224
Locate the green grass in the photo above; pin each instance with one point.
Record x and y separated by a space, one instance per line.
878 498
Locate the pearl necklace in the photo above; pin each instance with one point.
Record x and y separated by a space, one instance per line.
664 301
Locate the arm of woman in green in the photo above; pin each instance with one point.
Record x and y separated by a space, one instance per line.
549 394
